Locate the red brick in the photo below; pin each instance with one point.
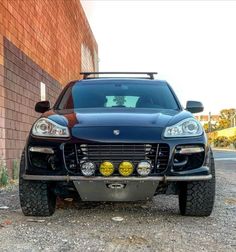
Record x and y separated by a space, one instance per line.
34 49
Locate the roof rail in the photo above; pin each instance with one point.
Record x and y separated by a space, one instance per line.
149 74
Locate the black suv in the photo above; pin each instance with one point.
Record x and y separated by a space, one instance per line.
117 139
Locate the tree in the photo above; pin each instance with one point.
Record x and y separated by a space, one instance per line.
226 117
119 100
207 128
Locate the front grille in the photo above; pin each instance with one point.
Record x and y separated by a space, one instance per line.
76 154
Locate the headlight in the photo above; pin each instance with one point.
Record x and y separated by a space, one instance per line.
48 128
186 128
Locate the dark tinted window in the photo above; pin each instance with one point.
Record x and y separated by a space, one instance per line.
118 94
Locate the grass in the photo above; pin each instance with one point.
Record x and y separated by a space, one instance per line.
15 174
4 178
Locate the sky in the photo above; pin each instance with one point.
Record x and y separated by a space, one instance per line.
191 44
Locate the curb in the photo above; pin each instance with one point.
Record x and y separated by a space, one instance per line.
222 149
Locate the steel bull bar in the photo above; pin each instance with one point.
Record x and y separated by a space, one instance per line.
116 188
116 178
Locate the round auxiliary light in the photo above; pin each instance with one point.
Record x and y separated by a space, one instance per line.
88 168
126 168
106 168
144 168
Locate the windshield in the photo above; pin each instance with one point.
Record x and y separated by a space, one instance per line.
119 94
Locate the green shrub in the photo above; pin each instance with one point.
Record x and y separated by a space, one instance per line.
15 174
3 175
210 140
221 141
233 141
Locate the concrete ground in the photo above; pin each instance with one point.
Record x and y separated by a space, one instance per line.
152 226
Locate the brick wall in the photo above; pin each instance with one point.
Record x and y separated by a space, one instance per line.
40 41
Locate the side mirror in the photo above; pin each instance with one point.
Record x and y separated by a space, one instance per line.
42 106
194 106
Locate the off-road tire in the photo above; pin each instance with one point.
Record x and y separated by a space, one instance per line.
196 198
36 197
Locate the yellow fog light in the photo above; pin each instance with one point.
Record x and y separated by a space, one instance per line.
126 168
106 168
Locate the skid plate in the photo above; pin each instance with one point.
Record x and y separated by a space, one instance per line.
116 190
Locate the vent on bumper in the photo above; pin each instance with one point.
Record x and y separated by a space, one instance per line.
190 157
76 154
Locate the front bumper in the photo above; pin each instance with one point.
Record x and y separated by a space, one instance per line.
164 169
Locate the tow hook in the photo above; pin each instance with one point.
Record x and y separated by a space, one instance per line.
116 186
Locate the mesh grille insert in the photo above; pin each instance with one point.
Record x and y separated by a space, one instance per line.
76 154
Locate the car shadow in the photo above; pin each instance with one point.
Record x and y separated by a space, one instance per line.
160 205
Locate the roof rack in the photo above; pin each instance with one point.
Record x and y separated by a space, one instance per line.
87 74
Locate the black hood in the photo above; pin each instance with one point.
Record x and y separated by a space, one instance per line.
116 117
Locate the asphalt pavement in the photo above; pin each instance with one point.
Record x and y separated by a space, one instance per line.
221 155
